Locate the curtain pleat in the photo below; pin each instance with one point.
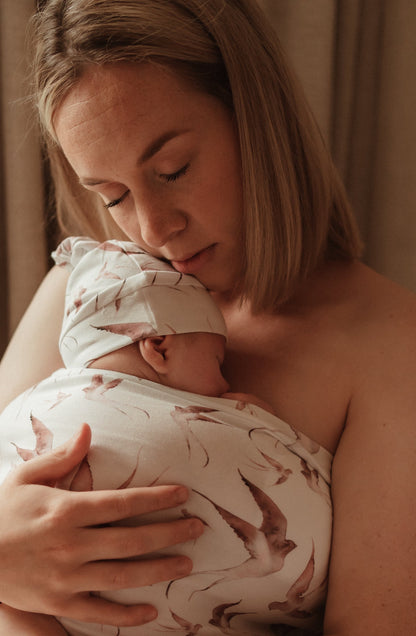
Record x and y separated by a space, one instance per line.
356 80
357 62
391 227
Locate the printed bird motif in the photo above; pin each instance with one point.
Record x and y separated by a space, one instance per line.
77 301
183 416
311 446
44 440
60 397
276 435
267 545
97 387
105 273
82 480
184 626
313 481
297 437
282 472
134 330
221 619
295 597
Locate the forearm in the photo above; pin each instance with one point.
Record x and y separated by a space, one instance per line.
33 352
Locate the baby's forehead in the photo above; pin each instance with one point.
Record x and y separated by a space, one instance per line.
213 343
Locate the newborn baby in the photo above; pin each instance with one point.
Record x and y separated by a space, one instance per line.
143 347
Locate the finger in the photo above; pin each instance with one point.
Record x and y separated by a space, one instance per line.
49 467
121 575
123 543
106 506
92 609
237 396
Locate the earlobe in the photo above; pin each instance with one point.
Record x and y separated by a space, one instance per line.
153 351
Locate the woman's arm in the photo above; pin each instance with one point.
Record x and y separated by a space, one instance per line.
33 352
373 564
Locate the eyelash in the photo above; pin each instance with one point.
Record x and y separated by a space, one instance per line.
169 178
112 204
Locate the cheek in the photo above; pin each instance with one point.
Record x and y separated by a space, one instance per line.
128 223
220 209
221 192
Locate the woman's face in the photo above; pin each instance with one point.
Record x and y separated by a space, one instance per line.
164 158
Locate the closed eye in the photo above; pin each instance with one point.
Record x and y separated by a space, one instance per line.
170 178
115 202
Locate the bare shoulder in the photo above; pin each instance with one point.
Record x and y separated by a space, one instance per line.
376 316
383 329
33 351
373 552
381 334
383 303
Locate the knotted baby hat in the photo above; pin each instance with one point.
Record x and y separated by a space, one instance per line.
118 294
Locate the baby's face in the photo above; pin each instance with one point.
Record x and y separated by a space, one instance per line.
197 364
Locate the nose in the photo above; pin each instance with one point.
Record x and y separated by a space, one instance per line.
159 223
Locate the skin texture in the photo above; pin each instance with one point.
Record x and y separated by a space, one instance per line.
186 197
29 624
337 362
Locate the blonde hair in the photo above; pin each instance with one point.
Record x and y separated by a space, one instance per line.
296 212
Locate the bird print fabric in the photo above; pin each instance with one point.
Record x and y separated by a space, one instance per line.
260 488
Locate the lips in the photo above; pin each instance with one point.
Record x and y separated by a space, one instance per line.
195 262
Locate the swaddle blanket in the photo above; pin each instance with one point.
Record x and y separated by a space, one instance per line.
260 488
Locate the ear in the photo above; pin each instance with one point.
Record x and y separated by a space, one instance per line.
154 351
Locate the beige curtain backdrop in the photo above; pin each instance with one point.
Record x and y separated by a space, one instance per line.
22 237
357 62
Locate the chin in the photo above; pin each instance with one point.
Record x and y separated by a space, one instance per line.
220 284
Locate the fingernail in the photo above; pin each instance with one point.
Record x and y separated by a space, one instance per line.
183 566
196 528
150 614
181 495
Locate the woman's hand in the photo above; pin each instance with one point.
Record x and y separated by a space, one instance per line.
54 553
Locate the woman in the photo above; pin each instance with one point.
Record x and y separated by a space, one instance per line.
184 120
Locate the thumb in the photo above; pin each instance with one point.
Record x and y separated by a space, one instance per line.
49 467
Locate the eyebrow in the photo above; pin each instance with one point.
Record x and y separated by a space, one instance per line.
149 152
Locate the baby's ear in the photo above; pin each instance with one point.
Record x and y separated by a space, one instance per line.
154 350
